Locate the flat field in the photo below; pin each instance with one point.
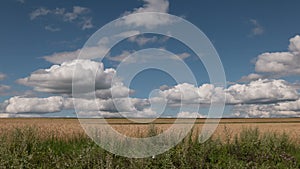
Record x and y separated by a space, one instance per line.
62 143
66 127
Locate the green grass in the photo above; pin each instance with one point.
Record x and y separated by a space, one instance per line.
23 148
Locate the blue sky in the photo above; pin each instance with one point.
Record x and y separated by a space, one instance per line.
241 31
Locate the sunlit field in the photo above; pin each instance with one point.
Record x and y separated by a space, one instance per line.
237 143
66 128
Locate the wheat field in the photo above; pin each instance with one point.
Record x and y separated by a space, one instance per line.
65 127
236 143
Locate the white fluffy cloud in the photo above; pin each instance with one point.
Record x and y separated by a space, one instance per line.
257 92
261 91
34 105
251 77
294 46
153 6
261 98
253 99
58 78
251 111
119 90
281 63
270 98
267 98
148 21
188 94
131 107
268 110
288 106
108 105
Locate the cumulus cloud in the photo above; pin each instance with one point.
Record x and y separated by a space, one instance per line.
108 105
77 15
288 106
251 77
261 91
153 6
261 98
281 63
270 98
120 91
257 92
34 105
188 94
132 107
278 63
294 46
148 21
266 111
58 78
252 111
267 98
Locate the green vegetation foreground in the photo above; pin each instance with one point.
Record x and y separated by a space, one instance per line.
23 148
